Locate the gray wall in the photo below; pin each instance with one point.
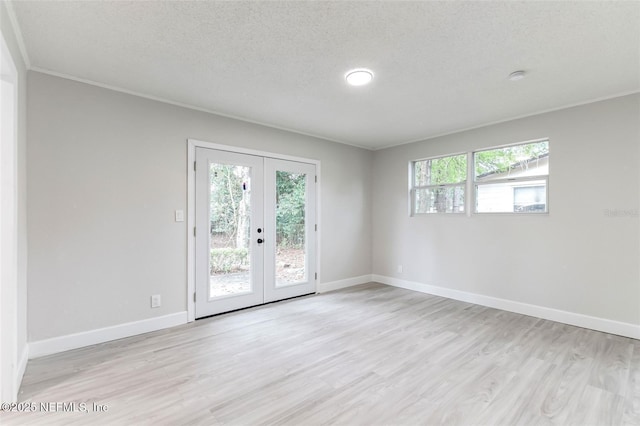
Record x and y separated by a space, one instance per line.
10 38
106 172
576 258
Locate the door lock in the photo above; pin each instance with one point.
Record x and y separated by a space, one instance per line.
260 241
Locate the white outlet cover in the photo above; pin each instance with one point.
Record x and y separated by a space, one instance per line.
179 215
156 301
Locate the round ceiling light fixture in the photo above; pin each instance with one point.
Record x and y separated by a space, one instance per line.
516 75
359 77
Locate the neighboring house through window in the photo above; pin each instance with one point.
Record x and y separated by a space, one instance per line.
512 179
529 198
509 179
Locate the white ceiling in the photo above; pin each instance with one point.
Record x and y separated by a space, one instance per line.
439 66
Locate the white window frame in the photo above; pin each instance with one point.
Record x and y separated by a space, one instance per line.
509 180
413 187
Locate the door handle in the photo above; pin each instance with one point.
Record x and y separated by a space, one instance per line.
260 241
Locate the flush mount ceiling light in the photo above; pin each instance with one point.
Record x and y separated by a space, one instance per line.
359 77
516 75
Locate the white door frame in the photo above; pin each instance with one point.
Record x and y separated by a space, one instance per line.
192 144
9 371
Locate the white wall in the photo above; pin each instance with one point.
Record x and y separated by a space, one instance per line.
581 258
10 38
106 172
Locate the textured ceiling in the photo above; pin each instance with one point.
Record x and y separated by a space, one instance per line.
439 66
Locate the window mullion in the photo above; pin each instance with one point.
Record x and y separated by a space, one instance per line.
470 199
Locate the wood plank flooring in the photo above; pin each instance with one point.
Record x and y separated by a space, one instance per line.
367 355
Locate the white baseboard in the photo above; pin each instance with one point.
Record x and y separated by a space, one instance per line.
78 340
348 282
22 366
571 318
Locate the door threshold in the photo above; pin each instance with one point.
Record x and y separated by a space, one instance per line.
255 306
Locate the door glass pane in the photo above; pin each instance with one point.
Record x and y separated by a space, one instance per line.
290 228
230 215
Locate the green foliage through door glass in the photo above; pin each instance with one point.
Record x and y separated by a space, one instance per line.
290 208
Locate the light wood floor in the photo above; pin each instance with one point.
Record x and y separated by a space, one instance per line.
367 355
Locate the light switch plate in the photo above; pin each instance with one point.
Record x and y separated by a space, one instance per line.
179 215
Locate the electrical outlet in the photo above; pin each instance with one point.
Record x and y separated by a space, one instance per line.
179 215
156 301
399 269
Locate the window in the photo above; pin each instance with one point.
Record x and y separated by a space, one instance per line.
438 185
512 179
529 198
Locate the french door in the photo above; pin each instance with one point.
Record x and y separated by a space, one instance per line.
255 230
